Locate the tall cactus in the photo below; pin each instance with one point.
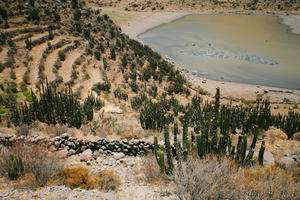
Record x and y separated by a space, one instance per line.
175 132
261 153
184 140
168 150
255 133
199 145
155 146
161 161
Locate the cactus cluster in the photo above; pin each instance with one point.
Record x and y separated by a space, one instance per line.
212 129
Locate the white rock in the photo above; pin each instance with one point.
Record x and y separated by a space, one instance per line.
87 155
268 158
111 162
286 162
62 153
118 156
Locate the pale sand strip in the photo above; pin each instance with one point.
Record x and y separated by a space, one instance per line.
293 21
137 27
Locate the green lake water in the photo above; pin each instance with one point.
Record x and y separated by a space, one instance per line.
240 48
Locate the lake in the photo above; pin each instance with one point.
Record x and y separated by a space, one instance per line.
239 48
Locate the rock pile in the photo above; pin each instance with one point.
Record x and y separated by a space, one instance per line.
68 145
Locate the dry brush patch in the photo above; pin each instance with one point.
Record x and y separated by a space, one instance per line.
33 164
80 177
214 178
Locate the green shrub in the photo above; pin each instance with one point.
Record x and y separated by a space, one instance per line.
61 55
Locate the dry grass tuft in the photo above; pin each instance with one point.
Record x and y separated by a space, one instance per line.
267 183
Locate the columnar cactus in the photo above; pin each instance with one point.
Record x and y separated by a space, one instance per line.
261 153
156 147
255 133
161 161
199 145
175 132
244 148
168 150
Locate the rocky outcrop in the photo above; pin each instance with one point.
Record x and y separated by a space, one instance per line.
67 145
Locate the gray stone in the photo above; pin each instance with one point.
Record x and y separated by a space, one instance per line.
286 162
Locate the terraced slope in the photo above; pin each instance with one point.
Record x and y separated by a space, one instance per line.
67 43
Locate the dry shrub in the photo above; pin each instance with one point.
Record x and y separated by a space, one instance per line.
80 177
23 129
107 180
31 163
214 178
266 183
130 136
204 179
77 177
151 170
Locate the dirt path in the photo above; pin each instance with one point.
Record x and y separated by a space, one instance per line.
3 55
87 84
20 71
22 43
66 70
36 54
50 61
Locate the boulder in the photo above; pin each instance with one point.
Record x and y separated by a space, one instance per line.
276 134
111 162
118 156
86 156
268 158
62 153
286 162
71 152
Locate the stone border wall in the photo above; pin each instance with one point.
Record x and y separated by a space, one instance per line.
72 145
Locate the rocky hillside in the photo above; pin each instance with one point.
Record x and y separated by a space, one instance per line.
66 43
140 5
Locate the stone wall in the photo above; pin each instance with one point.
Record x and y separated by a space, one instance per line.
71 145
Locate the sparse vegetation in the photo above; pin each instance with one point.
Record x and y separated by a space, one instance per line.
34 161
